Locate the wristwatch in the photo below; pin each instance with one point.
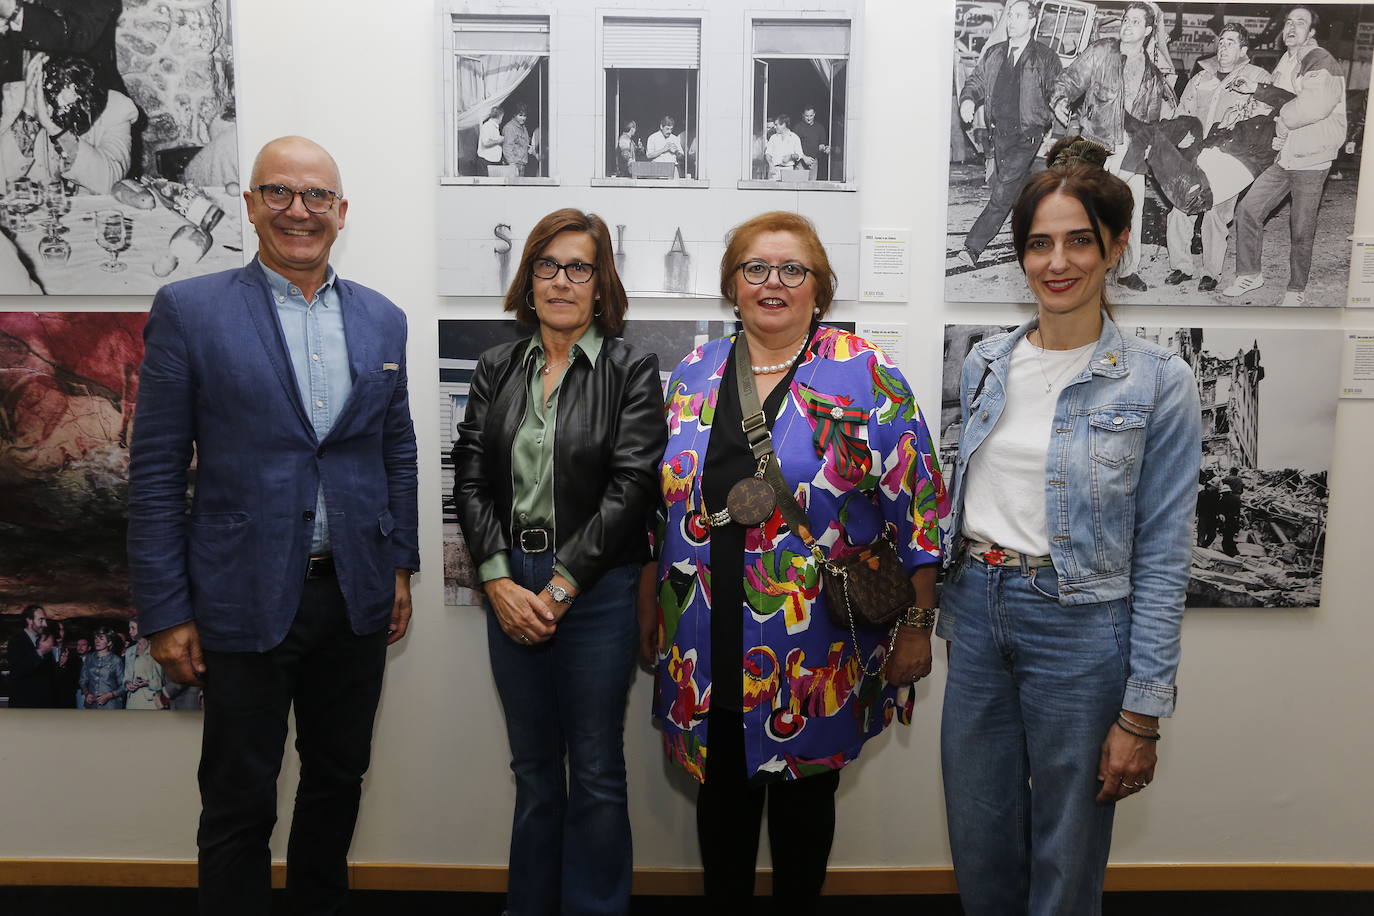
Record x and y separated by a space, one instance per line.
922 618
560 594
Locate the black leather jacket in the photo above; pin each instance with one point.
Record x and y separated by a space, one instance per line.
608 442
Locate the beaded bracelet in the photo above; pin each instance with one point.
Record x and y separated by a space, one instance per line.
1123 724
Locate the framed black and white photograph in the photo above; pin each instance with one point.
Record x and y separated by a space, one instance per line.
118 146
1238 128
1268 431
672 124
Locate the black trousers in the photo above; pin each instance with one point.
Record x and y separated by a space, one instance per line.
801 827
1015 154
334 679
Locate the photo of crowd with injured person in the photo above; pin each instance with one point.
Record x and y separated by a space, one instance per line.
1236 126
118 145
68 637
1268 421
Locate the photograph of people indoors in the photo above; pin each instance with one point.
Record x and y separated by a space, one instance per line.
612 107
118 145
1237 127
765 685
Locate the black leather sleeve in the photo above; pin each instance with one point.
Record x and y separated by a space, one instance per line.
617 531
472 494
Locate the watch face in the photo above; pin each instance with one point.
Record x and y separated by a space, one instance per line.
559 593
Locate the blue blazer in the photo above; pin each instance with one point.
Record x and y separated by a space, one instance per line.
217 382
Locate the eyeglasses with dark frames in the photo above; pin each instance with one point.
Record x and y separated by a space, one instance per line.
548 268
790 275
280 197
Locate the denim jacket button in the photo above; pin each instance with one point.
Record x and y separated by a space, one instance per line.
983 415
1118 421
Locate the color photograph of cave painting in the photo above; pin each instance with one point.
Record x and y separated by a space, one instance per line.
68 385
119 163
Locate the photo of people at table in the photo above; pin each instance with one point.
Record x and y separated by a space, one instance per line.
118 145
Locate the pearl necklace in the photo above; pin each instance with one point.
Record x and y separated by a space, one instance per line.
783 366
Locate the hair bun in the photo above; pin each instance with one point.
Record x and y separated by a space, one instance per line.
1071 151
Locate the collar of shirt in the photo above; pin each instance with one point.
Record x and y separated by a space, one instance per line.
589 344
283 289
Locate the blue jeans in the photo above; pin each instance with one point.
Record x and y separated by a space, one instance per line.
1033 688
565 700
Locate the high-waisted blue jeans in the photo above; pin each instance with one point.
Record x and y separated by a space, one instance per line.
1033 688
564 701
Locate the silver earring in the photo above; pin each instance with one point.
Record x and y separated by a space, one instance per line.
598 313
816 310
737 311
529 299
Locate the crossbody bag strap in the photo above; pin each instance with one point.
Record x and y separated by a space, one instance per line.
755 426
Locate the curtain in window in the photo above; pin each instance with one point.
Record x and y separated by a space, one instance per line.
485 81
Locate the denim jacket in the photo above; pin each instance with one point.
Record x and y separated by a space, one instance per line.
1120 488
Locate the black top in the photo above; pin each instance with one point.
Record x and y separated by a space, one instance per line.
728 459
1006 95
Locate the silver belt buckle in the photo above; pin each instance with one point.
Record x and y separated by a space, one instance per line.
539 536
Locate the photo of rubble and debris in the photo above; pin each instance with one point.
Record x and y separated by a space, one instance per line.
1268 420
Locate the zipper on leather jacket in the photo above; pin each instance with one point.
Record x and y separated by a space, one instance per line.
524 410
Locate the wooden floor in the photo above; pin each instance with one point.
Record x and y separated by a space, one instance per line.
126 901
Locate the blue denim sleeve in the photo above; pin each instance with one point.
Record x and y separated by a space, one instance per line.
1166 497
969 375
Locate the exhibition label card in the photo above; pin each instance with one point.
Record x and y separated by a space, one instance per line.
1361 286
884 265
1357 365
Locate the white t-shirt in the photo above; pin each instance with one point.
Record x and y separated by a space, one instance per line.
1004 496
489 141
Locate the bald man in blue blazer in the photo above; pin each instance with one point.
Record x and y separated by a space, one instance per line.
286 576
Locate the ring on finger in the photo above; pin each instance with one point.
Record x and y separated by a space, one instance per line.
524 639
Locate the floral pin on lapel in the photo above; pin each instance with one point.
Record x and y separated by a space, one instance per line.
1108 360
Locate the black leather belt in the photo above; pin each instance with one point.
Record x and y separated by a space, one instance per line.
534 540
320 567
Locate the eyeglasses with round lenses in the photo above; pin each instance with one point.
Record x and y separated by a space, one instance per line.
280 197
789 275
577 271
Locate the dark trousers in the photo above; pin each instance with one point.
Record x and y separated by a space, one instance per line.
801 827
334 679
564 700
1015 153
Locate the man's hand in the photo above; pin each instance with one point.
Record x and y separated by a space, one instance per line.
177 650
966 109
7 10
1061 111
400 609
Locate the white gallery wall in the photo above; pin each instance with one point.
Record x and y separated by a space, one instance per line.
1267 760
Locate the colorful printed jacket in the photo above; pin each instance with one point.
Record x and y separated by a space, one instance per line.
855 448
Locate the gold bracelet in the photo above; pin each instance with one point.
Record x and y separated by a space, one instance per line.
921 618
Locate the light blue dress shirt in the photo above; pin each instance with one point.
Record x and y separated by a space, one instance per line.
315 342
